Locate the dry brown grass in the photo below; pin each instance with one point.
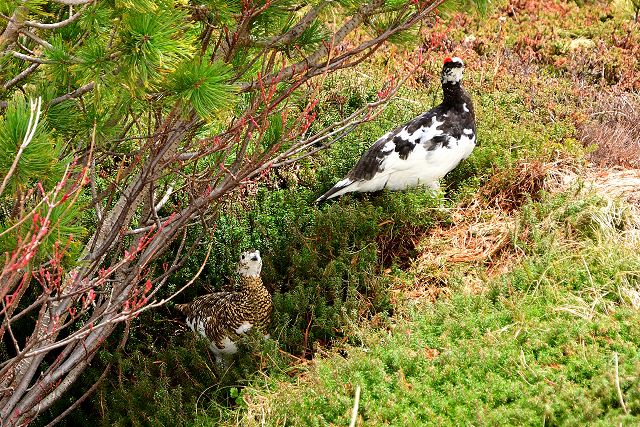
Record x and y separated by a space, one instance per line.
613 183
478 242
510 189
613 127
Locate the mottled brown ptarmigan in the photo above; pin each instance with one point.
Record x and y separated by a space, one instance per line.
223 317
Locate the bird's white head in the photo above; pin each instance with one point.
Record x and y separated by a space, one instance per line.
452 70
250 263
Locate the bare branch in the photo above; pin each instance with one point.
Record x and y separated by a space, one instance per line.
74 2
60 24
75 94
31 58
23 74
94 191
36 38
164 199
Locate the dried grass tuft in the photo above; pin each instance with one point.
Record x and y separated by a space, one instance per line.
476 237
614 183
613 127
508 190
620 188
480 234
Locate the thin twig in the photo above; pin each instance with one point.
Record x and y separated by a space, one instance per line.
620 397
354 411
74 94
73 2
37 39
31 58
23 74
164 199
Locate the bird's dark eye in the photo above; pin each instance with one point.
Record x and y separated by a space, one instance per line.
242 256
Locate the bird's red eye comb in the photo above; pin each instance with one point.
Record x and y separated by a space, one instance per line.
448 59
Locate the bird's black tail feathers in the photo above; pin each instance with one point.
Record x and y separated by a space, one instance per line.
332 191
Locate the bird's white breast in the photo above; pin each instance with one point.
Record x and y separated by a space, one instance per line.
243 328
422 166
228 347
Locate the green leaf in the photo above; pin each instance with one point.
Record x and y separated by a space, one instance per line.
222 12
140 6
273 133
311 37
59 70
64 232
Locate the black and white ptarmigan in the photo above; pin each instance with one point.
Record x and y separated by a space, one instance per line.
223 317
421 151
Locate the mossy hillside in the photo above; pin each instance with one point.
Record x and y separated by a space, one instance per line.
331 268
324 264
538 345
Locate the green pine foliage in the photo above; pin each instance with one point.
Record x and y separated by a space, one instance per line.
39 158
149 46
40 162
222 11
203 86
66 232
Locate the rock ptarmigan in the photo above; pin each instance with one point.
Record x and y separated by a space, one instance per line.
421 151
223 317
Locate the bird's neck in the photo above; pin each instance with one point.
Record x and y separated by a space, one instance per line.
455 96
252 285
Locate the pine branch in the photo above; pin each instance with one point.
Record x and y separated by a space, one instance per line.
34 118
33 59
60 24
73 2
314 59
295 32
10 34
72 95
36 38
21 76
